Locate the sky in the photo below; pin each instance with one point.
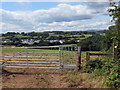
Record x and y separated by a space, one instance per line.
53 16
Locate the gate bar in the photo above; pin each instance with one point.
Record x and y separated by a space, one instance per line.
30 62
31 67
33 59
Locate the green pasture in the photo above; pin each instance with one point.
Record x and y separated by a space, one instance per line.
68 57
2 37
44 50
87 35
21 36
24 50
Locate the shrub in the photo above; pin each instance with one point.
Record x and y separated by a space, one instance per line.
92 65
110 69
114 74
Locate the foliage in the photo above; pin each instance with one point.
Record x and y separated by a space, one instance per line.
92 65
44 38
114 73
109 69
93 43
108 37
113 34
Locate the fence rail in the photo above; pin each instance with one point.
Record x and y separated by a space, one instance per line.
34 47
32 64
29 62
32 56
96 54
31 67
33 59
101 54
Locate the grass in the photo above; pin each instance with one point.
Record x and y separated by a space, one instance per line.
35 37
19 36
77 36
67 55
2 37
87 35
25 50
77 79
65 52
82 38
10 50
84 52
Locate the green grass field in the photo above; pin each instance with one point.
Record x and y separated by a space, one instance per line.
67 56
25 50
44 50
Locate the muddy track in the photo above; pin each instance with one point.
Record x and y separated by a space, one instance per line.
35 78
34 81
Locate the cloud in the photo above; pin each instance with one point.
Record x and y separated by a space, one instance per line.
99 6
64 12
5 27
58 0
62 17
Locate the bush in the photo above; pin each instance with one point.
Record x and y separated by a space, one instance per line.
109 69
92 65
114 74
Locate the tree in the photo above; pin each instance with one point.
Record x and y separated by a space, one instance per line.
93 43
113 34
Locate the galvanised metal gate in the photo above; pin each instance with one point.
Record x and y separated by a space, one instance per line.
47 57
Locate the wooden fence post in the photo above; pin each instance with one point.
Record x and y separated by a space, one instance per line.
115 51
78 60
87 56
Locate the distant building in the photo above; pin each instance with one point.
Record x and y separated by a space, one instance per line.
30 42
61 41
5 41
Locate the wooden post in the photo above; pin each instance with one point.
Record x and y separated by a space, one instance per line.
87 56
115 51
78 60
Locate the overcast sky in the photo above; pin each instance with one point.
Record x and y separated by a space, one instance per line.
54 16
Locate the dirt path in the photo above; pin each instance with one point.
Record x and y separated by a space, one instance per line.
43 79
34 80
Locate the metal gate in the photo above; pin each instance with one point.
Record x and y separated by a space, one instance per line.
45 57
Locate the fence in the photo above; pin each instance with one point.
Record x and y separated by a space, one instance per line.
69 55
116 50
115 53
96 54
45 57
